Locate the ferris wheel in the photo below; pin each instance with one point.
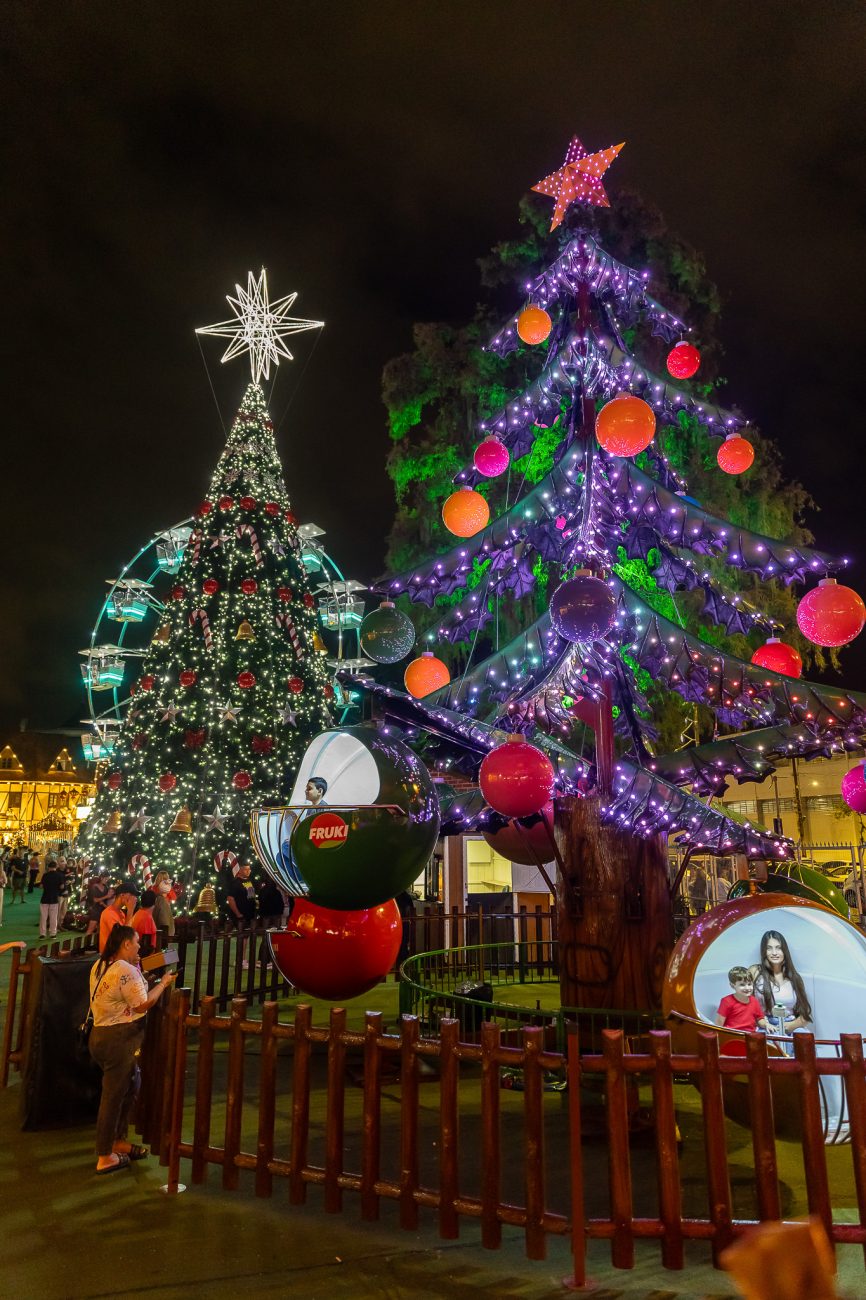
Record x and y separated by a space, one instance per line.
132 614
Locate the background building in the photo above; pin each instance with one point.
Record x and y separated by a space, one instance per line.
44 781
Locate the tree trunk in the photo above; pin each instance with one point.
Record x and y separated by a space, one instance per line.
614 914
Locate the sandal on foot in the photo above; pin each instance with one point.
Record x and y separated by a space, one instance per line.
136 1152
121 1163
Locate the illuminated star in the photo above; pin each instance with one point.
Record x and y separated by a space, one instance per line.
170 714
289 718
260 327
137 823
229 712
214 821
277 547
578 179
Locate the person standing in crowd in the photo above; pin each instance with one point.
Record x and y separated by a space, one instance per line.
118 912
65 890
49 906
95 899
33 866
241 901
272 907
17 877
143 923
119 999
163 916
698 891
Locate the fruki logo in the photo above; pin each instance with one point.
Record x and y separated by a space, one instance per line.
328 831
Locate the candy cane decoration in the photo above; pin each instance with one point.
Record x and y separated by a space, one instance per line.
225 858
196 545
139 861
199 616
248 530
286 621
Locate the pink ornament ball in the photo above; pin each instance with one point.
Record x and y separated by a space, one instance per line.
491 457
854 790
831 615
683 361
516 779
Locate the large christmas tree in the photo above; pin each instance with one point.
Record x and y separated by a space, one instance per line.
235 682
608 535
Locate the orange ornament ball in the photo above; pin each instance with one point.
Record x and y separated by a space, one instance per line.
626 426
425 675
533 325
465 512
735 454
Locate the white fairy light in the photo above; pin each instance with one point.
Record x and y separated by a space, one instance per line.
260 327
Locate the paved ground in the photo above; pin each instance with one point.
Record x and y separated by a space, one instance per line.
69 1234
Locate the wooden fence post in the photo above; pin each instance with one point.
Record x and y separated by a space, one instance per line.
491 1154
715 1149
408 1122
372 1120
180 1011
449 1074
575 1164
203 1089
267 1100
234 1094
812 1132
667 1159
763 1129
855 1092
335 1111
533 1152
619 1159
300 1105
9 1023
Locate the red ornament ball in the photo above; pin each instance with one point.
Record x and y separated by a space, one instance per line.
167 782
735 454
194 738
147 682
626 426
262 744
246 679
778 657
291 518
854 789
516 779
309 600
188 677
249 586
114 781
242 780
491 458
225 503
831 615
285 593
465 512
272 508
204 509
683 361
533 325
524 843
425 675
334 954
328 691
178 592
296 685
248 503
210 586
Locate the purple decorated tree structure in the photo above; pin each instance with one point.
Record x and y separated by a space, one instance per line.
587 661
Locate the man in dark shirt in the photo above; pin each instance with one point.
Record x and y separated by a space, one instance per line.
52 881
17 877
241 898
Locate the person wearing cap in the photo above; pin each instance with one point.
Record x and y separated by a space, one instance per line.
118 912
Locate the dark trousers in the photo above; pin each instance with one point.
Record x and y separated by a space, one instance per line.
114 1048
31 880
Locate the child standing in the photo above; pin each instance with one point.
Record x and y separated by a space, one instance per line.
741 1009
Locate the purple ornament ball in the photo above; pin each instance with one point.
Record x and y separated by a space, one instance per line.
583 608
854 789
491 457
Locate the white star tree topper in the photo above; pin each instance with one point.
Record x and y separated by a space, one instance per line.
260 327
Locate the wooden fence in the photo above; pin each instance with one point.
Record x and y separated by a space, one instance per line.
504 1158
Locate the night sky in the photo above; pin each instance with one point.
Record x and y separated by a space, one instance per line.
367 154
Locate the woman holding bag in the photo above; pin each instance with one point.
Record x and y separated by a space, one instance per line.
119 1000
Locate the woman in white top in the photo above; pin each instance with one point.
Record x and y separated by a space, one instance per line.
119 999
780 985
